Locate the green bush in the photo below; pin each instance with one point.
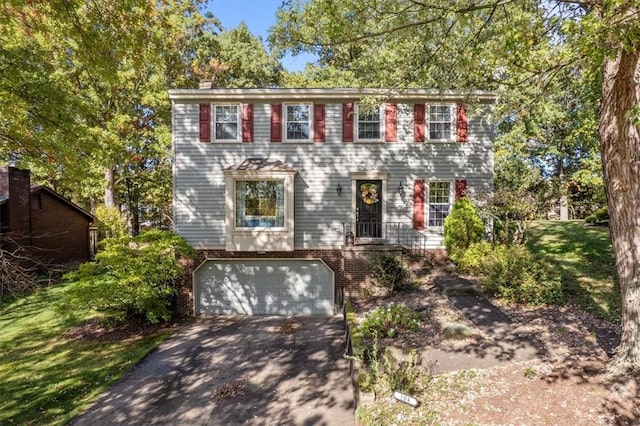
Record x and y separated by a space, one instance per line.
132 277
110 222
387 271
599 216
514 274
462 227
471 261
389 321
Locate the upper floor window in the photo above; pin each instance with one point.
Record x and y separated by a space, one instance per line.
226 122
439 203
369 124
298 122
440 122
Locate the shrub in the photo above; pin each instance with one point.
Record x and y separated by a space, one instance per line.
132 277
470 262
402 377
387 271
599 216
514 274
388 321
386 375
462 227
111 222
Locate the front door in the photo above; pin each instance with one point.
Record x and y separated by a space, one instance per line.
369 208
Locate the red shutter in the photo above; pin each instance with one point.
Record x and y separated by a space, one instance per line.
205 123
247 122
462 123
347 122
461 188
418 204
276 122
318 123
418 123
391 122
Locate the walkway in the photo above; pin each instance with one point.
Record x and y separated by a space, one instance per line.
502 344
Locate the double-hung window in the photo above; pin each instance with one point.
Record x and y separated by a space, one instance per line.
369 124
226 122
259 203
439 203
440 122
298 122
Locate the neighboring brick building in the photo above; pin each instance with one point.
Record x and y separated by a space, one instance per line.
55 230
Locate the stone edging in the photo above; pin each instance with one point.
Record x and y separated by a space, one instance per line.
354 352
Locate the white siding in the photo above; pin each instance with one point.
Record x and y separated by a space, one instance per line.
319 212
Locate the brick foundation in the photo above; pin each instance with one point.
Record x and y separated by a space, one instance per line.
349 265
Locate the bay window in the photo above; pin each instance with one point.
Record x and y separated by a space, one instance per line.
259 203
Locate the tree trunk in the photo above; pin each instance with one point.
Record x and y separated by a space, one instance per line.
110 187
564 204
620 145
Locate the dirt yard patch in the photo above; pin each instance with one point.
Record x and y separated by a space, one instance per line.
565 386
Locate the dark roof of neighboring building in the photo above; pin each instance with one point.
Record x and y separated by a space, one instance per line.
60 198
262 164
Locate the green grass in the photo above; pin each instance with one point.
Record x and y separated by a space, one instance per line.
46 378
585 257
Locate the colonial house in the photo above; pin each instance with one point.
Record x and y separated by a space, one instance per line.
51 228
287 192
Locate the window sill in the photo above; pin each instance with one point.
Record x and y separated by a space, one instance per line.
298 141
259 229
440 141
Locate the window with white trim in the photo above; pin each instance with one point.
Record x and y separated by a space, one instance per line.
226 119
369 124
440 122
438 202
298 122
259 203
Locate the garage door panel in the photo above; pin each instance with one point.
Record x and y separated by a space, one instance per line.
251 286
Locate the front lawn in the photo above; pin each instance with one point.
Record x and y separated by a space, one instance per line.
585 256
49 372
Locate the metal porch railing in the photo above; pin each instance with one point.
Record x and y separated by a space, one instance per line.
395 233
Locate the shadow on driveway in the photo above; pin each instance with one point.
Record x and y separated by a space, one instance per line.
237 370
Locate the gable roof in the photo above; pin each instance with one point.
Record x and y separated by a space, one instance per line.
265 164
69 203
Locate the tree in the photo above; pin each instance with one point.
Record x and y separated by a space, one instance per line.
242 61
498 44
98 111
520 194
557 133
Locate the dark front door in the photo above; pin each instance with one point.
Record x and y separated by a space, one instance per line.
369 208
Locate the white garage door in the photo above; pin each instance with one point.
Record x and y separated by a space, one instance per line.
259 287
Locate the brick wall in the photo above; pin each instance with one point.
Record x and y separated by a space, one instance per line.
16 184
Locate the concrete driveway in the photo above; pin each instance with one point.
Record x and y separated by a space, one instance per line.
237 370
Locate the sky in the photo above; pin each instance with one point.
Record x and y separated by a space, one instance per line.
259 15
